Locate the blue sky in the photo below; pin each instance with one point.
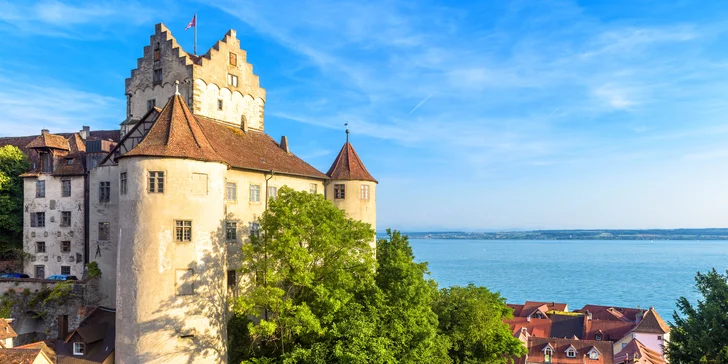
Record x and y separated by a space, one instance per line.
472 115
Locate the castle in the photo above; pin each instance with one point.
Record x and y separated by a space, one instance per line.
165 204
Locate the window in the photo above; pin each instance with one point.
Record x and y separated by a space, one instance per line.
156 182
39 271
40 247
184 282
65 218
254 193
104 231
66 188
104 191
339 191
233 59
183 230
37 219
122 183
598 337
231 231
312 188
157 53
548 354
624 345
157 77
231 191
69 161
219 104
364 192
65 247
593 355
232 80
231 278
40 189
151 103
46 162
66 269
659 338
570 353
79 348
254 229
272 192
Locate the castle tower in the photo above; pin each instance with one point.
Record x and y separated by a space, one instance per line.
171 293
219 84
351 187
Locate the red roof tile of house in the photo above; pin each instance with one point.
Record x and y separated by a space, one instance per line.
47 350
536 346
47 140
652 323
176 133
348 166
536 327
608 329
6 331
611 313
20 356
637 353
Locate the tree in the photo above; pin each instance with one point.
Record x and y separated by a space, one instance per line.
471 319
700 334
13 163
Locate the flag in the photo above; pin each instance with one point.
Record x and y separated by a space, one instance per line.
192 23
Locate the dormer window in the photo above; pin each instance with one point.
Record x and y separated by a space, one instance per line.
594 355
79 348
571 352
548 353
46 162
598 337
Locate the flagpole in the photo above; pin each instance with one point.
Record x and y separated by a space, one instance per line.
195 47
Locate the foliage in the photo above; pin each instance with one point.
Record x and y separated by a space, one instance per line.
93 270
12 164
317 295
700 334
59 293
471 318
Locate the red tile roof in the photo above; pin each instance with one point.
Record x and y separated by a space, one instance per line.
176 133
608 329
19 356
536 327
348 166
47 350
47 140
652 323
637 353
6 331
536 346
611 313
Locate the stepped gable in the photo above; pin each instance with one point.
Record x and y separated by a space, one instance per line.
176 134
637 352
183 57
652 323
253 150
348 166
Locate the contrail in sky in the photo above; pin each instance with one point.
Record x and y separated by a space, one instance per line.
420 104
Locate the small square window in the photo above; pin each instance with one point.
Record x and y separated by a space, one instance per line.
37 219
104 233
184 282
231 231
339 191
272 192
79 348
183 230
219 104
313 188
231 191
65 269
65 247
255 229
156 182
66 188
65 218
40 247
104 191
122 183
151 104
40 189
254 193
364 192
233 59
232 80
598 337
659 338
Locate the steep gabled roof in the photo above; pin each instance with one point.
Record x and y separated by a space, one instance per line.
47 350
637 352
177 134
21 356
6 331
652 323
348 166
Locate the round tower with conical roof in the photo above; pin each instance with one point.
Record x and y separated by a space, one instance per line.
352 188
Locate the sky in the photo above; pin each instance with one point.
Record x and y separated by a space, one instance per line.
487 115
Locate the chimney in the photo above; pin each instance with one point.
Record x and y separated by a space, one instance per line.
85 132
284 144
62 327
588 315
528 318
44 131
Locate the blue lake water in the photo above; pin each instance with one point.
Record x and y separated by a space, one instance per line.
619 273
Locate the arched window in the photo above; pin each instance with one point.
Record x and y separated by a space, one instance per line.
594 355
571 353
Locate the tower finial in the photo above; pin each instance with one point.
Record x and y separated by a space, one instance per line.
176 87
347 131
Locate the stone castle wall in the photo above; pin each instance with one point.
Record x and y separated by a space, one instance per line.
104 251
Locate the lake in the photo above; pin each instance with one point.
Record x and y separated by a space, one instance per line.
625 273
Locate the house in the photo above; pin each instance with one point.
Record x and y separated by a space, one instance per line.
7 334
92 341
650 330
566 351
24 356
43 346
636 352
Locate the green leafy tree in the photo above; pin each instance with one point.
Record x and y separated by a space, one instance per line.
471 319
13 163
700 334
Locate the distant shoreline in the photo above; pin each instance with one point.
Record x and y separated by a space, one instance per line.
650 234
